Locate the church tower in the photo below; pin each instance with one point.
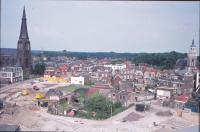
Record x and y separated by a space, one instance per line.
23 47
192 56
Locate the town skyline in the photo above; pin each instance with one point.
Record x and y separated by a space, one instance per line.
112 29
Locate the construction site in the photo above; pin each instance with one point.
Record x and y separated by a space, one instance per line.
23 110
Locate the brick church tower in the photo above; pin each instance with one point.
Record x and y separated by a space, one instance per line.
24 48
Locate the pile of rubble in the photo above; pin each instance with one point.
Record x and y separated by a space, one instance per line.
164 113
133 117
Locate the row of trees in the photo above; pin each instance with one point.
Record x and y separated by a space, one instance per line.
99 55
162 60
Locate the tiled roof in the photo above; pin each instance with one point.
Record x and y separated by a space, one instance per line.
8 52
63 67
127 66
182 98
181 62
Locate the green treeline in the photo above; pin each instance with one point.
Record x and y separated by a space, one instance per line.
98 55
162 60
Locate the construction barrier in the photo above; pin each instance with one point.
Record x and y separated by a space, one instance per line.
52 79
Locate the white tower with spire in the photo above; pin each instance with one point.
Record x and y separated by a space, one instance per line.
192 56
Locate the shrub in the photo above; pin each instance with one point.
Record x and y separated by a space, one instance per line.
81 114
131 105
97 116
123 108
118 104
89 115
81 108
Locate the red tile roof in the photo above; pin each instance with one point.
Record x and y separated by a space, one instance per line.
127 66
183 98
63 67
152 70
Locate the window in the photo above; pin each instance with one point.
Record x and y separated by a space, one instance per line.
124 72
27 46
120 97
131 77
123 97
26 62
105 75
102 75
113 96
109 95
127 76
124 76
127 72
177 105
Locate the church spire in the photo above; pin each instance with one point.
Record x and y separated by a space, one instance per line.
24 31
193 43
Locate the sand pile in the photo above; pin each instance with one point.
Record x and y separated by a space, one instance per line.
133 117
33 107
164 113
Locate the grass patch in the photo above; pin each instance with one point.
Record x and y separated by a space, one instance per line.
63 104
115 112
72 87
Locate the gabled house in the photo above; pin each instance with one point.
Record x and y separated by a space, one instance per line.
179 102
54 94
95 88
116 80
61 71
125 97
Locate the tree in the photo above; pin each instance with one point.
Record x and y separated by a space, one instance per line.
116 87
100 105
113 62
41 59
81 97
89 115
82 57
39 55
95 94
118 104
26 76
64 51
39 68
48 58
147 86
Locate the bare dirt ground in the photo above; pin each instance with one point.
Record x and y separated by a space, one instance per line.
133 117
26 114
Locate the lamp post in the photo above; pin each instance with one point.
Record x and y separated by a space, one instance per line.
111 112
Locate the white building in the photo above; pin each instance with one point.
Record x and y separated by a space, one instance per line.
77 80
11 74
116 67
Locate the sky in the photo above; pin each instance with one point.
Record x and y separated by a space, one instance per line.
103 26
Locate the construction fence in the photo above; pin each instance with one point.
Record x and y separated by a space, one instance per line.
54 79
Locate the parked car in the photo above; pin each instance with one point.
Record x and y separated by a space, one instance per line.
31 83
28 84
